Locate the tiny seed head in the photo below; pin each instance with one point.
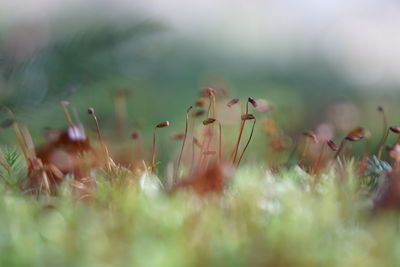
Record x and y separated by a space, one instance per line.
332 145
395 129
210 91
246 117
252 101
355 135
208 121
163 124
232 102
311 135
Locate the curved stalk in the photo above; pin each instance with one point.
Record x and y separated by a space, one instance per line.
342 144
20 138
101 141
248 142
153 155
235 151
184 140
382 143
304 152
317 165
67 115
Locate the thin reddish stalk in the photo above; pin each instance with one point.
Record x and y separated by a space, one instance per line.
382 143
67 115
235 151
304 152
342 144
248 142
184 139
153 156
19 135
103 145
317 165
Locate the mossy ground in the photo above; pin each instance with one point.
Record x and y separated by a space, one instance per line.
262 219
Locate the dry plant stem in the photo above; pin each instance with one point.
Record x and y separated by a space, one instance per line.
342 144
28 142
235 151
67 115
210 105
46 183
304 152
204 160
19 135
192 128
193 156
243 122
382 143
214 106
103 145
184 140
317 165
203 156
153 157
248 142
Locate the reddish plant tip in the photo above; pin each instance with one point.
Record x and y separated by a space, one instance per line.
199 113
90 111
210 91
208 121
355 135
232 102
135 135
252 101
246 117
395 129
311 135
332 145
163 124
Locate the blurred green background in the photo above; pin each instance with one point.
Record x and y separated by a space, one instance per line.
306 58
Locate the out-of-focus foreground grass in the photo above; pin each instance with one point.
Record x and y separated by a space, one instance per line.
262 219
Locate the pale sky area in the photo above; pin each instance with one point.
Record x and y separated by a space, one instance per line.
361 37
